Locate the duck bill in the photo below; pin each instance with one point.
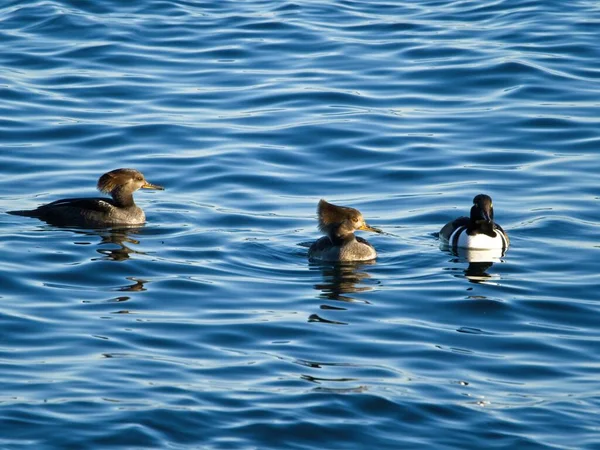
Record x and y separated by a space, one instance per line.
147 185
366 227
486 216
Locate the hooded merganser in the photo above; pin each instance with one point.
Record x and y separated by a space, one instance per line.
339 224
479 231
98 212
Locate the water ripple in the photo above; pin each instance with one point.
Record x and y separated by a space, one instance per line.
208 327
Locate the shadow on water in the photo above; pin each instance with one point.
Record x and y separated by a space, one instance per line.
114 243
341 288
340 280
137 286
111 244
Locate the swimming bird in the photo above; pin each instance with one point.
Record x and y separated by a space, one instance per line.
339 224
479 231
98 212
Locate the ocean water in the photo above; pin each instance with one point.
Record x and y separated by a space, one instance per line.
208 328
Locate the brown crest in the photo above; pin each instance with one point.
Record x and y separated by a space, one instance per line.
331 215
115 178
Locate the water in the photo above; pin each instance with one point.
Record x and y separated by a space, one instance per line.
208 328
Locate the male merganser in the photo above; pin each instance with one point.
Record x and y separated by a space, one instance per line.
98 212
339 224
479 231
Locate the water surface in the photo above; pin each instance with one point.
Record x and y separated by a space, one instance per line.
207 327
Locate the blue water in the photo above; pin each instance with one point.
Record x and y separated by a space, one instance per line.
208 328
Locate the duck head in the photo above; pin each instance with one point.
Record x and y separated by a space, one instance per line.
122 183
482 215
339 222
482 211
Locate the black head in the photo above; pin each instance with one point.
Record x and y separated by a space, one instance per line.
482 211
340 221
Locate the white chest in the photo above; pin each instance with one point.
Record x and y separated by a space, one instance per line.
461 239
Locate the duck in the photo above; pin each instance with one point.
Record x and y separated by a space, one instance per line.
478 231
99 212
339 243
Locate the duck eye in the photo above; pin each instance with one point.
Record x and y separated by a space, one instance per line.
355 219
139 178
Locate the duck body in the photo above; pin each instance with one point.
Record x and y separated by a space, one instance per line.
478 231
355 249
462 237
119 210
340 243
86 212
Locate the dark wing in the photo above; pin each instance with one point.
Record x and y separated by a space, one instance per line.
450 227
70 211
320 245
91 204
94 204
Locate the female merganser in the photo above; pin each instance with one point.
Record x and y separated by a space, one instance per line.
339 224
479 231
98 212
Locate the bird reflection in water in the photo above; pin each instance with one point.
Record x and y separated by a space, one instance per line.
339 280
117 241
137 286
479 262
